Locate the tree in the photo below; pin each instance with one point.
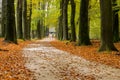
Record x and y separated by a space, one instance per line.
10 27
83 24
29 20
39 36
24 20
3 18
115 21
106 26
43 6
60 26
19 19
65 20
73 31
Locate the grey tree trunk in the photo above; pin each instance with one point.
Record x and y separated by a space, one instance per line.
106 26
115 22
42 19
84 24
65 20
39 36
60 25
24 20
19 19
29 21
3 17
10 27
73 30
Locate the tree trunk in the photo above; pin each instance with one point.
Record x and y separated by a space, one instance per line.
60 25
24 20
73 30
115 22
34 33
42 20
60 29
42 27
10 27
84 24
65 20
19 19
106 26
3 17
39 36
29 21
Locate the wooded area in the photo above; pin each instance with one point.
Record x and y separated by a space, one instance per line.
83 28
73 20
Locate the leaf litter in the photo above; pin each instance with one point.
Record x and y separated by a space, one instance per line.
91 52
11 61
48 63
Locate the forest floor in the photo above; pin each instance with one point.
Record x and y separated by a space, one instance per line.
49 63
91 52
11 61
39 60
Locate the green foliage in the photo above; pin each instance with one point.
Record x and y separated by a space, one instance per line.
46 10
49 11
94 15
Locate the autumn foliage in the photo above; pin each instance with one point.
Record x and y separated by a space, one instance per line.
91 52
11 61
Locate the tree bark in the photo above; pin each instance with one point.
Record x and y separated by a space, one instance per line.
60 29
106 26
29 21
19 19
65 20
84 24
115 22
10 27
42 20
73 30
39 36
60 25
24 20
3 17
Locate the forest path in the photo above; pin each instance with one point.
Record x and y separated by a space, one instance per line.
49 63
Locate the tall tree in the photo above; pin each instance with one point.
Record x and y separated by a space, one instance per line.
24 20
10 27
115 21
3 18
29 20
60 25
39 36
73 31
106 26
19 19
84 24
65 19
42 18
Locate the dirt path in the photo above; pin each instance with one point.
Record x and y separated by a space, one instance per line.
49 63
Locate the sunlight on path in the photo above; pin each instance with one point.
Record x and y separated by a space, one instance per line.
49 63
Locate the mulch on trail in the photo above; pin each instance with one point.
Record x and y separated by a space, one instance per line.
91 52
12 62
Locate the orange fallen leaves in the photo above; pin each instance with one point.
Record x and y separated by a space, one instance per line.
12 62
91 52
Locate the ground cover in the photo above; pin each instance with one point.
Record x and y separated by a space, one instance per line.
12 62
91 52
